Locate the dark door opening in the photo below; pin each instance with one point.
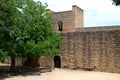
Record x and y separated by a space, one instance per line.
57 62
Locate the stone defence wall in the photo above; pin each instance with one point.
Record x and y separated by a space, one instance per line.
97 50
39 61
78 13
71 19
67 19
46 62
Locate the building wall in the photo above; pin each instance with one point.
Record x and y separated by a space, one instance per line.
92 48
71 19
95 48
67 19
46 61
78 15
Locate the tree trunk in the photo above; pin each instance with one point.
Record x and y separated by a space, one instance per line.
12 66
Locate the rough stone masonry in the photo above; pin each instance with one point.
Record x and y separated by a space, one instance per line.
94 48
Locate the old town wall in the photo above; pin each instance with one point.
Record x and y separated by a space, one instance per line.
92 49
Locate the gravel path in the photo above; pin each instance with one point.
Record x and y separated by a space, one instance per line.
63 74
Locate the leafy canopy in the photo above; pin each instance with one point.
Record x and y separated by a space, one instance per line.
26 29
116 2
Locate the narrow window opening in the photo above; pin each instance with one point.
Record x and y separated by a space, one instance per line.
60 25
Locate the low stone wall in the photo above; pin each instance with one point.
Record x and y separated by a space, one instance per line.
97 50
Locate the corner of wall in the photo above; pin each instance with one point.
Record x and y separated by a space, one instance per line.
78 16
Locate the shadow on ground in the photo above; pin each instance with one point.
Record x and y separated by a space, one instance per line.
21 71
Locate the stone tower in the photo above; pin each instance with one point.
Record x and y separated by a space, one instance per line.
68 21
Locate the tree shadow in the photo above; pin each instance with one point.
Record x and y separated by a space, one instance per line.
18 71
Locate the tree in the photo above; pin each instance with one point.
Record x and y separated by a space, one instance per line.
7 24
116 2
26 29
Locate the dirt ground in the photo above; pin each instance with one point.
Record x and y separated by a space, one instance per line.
63 74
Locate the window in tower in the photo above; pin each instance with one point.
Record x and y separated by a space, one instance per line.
60 25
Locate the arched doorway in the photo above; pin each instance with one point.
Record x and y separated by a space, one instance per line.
57 62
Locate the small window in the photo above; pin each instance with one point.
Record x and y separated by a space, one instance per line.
60 25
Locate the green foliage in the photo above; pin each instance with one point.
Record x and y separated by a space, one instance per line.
3 55
26 29
116 2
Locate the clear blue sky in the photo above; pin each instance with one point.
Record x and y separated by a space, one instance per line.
96 12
